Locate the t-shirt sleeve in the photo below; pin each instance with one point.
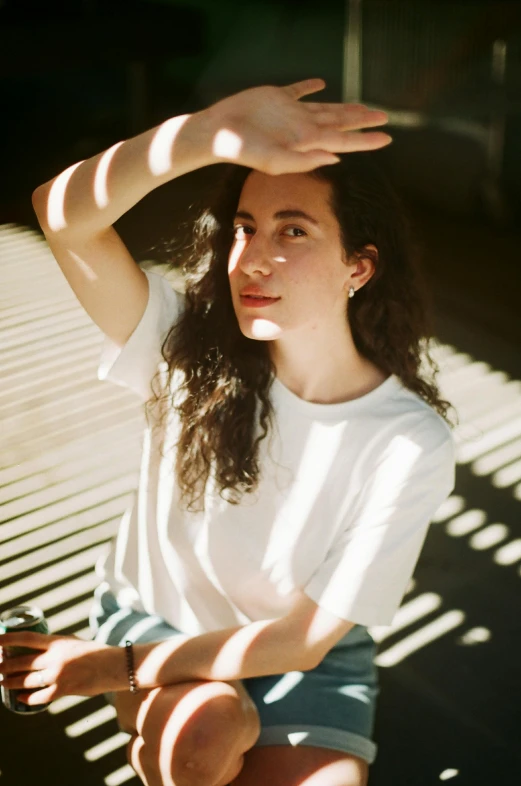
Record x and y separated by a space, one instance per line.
134 365
367 569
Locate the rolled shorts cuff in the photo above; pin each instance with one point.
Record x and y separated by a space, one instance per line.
319 737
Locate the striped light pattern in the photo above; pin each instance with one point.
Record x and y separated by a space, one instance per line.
69 462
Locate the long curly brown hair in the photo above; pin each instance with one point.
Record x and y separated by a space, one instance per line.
223 378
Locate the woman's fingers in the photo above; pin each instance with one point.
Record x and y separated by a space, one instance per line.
340 108
19 663
268 129
334 141
349 121
43 696
26 638
304 158
319 106
299 162
304 88
28 680
348 117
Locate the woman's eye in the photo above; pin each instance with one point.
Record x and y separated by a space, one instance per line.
298 229
239 226
244 228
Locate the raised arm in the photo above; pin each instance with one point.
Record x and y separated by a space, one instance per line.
77 208
266 128
89 196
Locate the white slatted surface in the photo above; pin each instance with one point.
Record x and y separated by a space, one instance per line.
69 452
70 446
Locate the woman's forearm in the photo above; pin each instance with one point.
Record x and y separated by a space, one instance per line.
89 196
258 649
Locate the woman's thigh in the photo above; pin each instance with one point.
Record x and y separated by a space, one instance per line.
331 706
284 765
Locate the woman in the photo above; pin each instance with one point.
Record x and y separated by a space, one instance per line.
293 456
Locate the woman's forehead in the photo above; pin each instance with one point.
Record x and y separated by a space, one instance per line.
294 189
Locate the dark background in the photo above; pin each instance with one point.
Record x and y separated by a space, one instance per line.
76 77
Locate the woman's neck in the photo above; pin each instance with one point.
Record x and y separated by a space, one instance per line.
335 387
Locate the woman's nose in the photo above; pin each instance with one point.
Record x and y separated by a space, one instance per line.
256 256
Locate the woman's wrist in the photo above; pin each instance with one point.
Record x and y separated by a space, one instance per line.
194 141
131 673
113 669
132 684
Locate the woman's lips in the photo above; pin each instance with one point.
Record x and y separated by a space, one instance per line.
257 302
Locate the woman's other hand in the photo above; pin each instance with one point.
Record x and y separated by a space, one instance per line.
269 129
64 665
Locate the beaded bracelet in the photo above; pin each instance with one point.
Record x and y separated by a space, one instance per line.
130 667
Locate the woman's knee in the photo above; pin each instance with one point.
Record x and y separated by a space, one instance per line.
190 735
127 706
135 757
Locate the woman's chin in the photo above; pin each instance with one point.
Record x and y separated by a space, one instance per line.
260 329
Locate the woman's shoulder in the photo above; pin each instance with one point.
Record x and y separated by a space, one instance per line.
411 416
170 278
167 294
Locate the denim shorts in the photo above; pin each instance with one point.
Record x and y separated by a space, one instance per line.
331 706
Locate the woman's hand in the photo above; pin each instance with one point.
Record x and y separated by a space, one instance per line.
269 129
64 665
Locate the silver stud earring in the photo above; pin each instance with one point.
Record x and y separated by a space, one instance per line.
351 291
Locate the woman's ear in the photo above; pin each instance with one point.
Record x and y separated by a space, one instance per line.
365 261
370 252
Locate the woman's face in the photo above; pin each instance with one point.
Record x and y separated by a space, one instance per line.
298 259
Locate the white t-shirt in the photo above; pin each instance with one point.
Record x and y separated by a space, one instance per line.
345 499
